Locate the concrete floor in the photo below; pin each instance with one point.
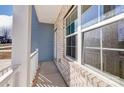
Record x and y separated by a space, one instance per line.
49 76
4 63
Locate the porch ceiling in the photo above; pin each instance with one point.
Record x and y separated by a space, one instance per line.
47 13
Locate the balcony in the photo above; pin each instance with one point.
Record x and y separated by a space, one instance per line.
7 75
45 74
38 41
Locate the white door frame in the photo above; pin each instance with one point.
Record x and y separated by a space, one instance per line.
55 44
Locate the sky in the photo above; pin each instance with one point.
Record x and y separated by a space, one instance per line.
6 13
6 10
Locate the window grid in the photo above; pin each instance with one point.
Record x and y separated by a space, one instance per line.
72 34
101 52
101 23
102 49
101 41
104 22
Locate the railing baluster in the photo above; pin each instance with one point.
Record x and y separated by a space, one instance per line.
7 76
12 70
33 66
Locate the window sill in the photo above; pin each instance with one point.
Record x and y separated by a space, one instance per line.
71 59
116 81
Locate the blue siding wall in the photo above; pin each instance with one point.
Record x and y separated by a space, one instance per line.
42 38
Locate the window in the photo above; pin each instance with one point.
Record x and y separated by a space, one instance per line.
113 62
103 47
89 15
106 42
113 38
92 38
71 27
92 48
113 35
92 57
92 14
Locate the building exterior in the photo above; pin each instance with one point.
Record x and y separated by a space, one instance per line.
86 42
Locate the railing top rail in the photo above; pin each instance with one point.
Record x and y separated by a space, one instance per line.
2 47
35 52
7 68
9 50
14 69
2 72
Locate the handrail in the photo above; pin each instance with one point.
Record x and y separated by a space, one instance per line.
9 50
5 70
2 47
35 52
13 71
33 66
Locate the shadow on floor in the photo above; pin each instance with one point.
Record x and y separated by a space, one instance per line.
49 76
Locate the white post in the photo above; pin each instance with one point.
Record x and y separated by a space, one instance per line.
21 42
55 45
79 39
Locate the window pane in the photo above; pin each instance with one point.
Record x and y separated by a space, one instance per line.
72 28
68 30
67 21
108 11
108 8
89 15
92 38
114 62
68 51
73 40
73 52
71 22
119 9
71 46
92 57
73 15
113 35
69 41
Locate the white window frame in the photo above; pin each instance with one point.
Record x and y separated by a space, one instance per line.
108 77
99 24
66 36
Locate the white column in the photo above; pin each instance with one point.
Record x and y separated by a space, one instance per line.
21 42
79 39
55 44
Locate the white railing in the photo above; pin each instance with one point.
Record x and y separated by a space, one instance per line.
33 66
4 47
7 76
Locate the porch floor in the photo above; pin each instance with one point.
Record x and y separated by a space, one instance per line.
49 76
